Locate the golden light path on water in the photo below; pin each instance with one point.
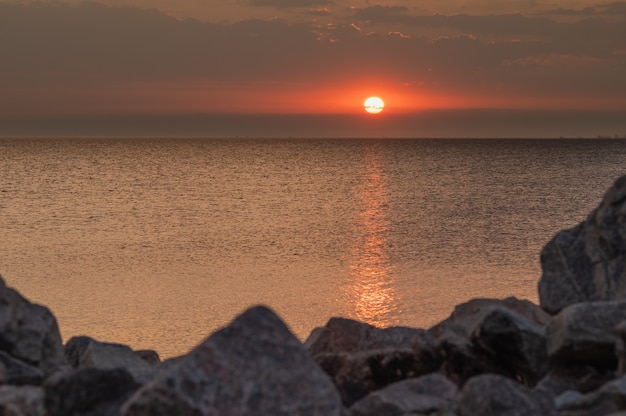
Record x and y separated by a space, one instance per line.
370 289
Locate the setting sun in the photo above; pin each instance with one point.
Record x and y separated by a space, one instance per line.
374 105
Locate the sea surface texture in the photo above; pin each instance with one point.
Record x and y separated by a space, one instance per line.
156 243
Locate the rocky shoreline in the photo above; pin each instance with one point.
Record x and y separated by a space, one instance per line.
564 357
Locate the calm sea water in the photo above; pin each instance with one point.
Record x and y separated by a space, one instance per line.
156 243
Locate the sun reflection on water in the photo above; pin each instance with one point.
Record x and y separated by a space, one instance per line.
370 287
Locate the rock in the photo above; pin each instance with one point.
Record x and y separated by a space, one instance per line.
84 352
22 401
578 378
466 316
495 395
361 358
253 366
609 398
347 335
422 395
469 339
29 332
149 356
585 333
88 392
17 372
515 343
620 348
587 262
357 374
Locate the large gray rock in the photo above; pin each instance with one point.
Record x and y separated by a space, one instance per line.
495 395
493 336
22 401
29 332
88 392
468 315
587 262
609 398
85 352
515 343
17 372
357 374
422 395
253 366
361 358
586 333
347 335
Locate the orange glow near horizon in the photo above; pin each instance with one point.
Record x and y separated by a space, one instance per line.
203 97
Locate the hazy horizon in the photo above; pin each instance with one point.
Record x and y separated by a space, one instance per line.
424 124
80 60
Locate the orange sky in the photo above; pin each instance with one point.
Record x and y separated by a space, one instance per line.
139 57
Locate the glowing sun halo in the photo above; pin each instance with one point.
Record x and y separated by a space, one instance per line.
374 105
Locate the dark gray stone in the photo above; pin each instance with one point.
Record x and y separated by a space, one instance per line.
84 352
357 374
609 398
495 395
17 372
515 343
422 395
361 358
347 335
149 356
586 263
253 366
88 392
586 333
29 332
469 338
22 401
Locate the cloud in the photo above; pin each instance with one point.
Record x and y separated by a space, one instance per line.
615 8
323 11
289 3
91 47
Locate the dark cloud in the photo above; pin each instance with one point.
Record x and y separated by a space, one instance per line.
383 14
289 3
615 8
560 11
93 46
324 11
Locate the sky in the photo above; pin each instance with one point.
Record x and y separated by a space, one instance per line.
146 60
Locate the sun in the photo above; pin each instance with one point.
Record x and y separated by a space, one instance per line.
374 105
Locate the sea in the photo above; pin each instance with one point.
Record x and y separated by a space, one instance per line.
157 243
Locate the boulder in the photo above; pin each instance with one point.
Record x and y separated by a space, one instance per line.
149 356
495 395
467 316
88 392
515 343
29 332
253 366
357 374
477 334
17 372
82 352
347 335
585 333
609 398
587 262
361 358
423 395
581 378
22 401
